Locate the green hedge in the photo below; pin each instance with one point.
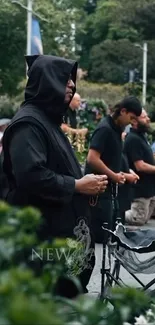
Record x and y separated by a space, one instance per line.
90 113
107 92
27 284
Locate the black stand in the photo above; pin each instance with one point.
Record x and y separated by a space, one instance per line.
107 278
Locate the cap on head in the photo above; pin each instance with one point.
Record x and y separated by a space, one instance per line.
131 104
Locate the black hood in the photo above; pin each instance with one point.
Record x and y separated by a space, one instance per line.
47 79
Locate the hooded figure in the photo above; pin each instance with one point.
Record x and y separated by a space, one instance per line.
39 162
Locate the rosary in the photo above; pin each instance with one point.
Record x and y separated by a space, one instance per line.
94 199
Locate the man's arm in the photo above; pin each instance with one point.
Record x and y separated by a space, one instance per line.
94 160
131 177
134 152
97 147
67 129
141 166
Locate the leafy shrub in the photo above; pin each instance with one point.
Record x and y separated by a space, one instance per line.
107 92
151 109
90 113
26 290
6 107
88 116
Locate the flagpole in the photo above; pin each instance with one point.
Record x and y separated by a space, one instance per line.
29 26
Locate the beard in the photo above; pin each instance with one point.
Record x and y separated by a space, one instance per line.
143 128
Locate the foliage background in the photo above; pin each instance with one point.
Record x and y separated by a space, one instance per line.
103 39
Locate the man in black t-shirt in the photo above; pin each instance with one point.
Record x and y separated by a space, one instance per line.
104 157
141 160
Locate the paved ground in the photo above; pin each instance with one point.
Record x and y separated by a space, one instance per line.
95 282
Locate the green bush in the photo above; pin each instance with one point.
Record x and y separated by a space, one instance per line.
26 288
90 113
107 92
10 105
88 116
151 109
20 246
6 107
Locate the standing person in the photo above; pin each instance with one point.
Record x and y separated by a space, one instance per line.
70 119
39 162
141 160
70 116
104 157
77 137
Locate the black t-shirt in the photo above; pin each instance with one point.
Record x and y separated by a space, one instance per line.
70 118
106 140
136 147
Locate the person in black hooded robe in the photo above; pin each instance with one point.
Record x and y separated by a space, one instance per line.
39 162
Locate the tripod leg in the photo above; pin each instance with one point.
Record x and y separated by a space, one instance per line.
103 268
103 273
117 269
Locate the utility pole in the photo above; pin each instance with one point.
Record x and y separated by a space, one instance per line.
29 22
144 81
144 73
29 26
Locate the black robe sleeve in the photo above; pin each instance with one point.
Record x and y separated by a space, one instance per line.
28 152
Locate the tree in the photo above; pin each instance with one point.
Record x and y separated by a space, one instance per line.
116 20
144 21
56 18
109 60
12 39
90 6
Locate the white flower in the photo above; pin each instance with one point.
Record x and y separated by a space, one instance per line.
69 261
141 320
62 250
72 243
150 313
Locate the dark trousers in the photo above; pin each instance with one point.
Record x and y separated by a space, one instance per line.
123 218
101 213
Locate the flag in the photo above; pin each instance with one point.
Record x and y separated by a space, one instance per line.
36 43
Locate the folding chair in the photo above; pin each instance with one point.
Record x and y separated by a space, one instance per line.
122 246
